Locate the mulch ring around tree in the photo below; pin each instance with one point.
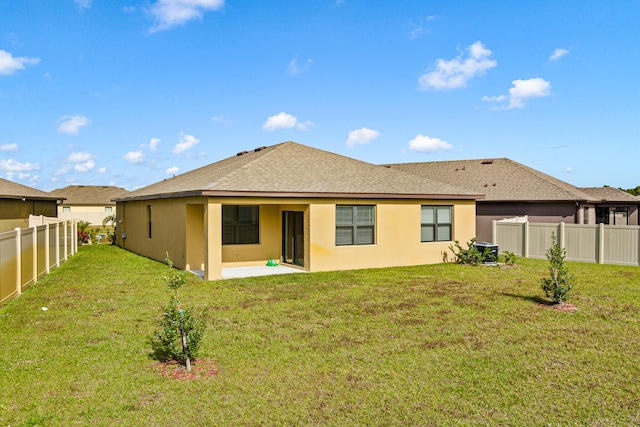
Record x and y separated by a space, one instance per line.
565 307
199 369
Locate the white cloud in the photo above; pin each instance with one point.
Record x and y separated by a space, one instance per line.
84 167
153 144
361 136
286 121
10 64
280 121
525 89
102 169
134 157
172 170
217 119
521 91
9 147
569 169
79 157
186 143
296 68
458 71
11 165
426 144
84 4
170 13
557 54
71 124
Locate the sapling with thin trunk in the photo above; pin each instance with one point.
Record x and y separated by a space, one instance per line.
181 330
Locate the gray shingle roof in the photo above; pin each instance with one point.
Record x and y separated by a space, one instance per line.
12 190
610 194
94 195
499 179
292 169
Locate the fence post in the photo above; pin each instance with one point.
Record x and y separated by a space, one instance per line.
18 261
34 245
525 239
561 234
57 244
74 233
494 231
47 252
600 243
66 241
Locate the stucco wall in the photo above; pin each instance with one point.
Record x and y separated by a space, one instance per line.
168 228
190 229
92 214
16 208
397 241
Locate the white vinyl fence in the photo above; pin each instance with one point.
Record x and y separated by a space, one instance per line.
27 254
602 244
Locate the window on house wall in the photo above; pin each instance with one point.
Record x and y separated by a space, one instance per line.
436 224
66 209
240 225
149 219
355 225
108 209
612 215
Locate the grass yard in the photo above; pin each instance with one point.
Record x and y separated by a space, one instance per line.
430 345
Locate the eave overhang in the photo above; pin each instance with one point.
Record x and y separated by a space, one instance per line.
301 195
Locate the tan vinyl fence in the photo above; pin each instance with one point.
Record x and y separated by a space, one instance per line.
27 254
602 244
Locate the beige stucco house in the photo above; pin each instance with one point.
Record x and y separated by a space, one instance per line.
90 203
512 189
18 201
298 205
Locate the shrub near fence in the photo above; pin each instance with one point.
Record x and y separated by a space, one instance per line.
27 254
602 244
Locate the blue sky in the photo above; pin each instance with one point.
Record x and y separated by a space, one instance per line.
127 93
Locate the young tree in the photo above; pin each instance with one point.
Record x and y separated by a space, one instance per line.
557 287
181 330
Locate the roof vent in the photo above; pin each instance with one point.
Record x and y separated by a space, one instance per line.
487 162
241 153
259 148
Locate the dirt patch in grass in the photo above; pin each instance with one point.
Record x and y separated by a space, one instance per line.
566 307
199 369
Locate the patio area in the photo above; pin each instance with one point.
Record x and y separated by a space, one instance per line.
254 271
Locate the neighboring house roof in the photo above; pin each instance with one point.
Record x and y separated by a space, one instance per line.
89 195
499 179
610 194
12 190
290 169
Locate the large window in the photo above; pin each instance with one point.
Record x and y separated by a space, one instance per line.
435 224
612 215
240 225
355 225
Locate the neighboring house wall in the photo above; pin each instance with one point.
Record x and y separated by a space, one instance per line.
17 208
190 229
91 214
537 212
15 212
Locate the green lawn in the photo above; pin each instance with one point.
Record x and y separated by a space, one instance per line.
430 345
